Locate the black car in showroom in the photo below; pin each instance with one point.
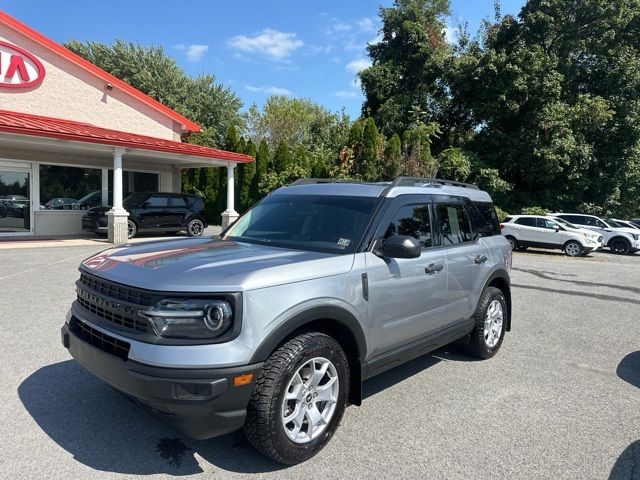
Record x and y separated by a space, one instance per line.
154 212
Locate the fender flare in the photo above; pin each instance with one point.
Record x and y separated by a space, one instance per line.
502 275
300 319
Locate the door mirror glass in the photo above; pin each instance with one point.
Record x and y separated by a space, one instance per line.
400 246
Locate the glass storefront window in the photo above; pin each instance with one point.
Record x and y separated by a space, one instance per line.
14 202
61 187
133 182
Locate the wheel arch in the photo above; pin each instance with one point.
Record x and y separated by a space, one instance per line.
618 237
500 280
330 320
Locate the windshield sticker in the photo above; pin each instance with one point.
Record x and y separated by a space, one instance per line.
344 242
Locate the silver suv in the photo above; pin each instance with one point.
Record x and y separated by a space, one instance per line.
274 325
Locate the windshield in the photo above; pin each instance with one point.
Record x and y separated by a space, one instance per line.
564 222
614 224
322 223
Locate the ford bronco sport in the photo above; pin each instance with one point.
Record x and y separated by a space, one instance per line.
274 325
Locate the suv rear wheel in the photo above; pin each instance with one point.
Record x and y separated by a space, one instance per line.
515 245
491 320
298 399
195 227
132 229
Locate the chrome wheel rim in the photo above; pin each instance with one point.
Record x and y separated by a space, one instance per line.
573 250
131 229
493 323
196 227
310 400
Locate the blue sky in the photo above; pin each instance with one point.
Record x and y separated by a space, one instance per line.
297 48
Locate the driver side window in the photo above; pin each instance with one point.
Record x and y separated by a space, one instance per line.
414 221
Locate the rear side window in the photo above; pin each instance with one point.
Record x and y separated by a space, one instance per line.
412 220
489 216
157 201
195 203
454 223
577 219
526 221
178 202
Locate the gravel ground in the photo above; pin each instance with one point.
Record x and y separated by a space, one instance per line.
560 401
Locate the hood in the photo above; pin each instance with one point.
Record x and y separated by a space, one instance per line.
623 229
211 265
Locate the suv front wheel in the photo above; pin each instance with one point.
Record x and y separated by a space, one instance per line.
298 399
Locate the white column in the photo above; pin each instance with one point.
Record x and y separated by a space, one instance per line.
230 215
117 216
117 178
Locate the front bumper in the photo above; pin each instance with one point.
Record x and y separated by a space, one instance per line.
201 403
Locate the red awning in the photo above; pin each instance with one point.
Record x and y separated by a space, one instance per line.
38 126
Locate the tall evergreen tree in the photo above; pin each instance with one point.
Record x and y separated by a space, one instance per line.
263 157
249 172
282 158
393 157
367 168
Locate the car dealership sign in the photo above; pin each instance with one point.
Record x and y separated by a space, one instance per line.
19 68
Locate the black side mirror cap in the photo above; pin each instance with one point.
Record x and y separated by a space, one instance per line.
400 246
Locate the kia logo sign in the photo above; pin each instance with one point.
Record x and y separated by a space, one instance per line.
18 68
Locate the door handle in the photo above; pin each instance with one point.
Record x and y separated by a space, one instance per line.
433 268
480 259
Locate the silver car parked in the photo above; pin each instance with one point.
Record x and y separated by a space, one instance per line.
274 325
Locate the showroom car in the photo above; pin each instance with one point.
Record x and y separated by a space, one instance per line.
154 212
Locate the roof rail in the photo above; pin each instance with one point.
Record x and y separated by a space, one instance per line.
311 181
411 181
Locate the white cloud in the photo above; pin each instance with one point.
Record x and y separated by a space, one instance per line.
268 42
450 34
270 90
194 52
346 93
366 24
357 65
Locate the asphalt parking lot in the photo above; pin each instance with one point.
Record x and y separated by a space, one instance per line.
560 401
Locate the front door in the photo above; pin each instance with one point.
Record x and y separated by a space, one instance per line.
155 212
550 233
15 202
406 296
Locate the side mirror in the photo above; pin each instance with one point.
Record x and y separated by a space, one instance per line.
145 204
557 228
400 246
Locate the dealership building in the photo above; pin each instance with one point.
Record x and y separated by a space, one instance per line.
71 133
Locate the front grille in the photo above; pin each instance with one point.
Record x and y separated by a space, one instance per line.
100 340
111 316
117 292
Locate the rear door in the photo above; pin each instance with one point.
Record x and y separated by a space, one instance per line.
406 296
468 259
526 230
178 209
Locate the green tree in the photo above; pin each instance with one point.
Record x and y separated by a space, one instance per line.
393 157
263 157
454 164
408 64
282 158
249 172
367 167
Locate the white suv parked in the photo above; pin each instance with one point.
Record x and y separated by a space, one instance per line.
524 231
620 240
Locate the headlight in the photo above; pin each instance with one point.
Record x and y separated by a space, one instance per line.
198 318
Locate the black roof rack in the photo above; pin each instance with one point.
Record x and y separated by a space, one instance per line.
411 181
311 181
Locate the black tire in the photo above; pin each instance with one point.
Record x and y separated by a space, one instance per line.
132 229
264 425
515 245
195 227
573 248
620 246
477 345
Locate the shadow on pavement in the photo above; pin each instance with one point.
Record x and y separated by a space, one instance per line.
627 467
381 382
105 431
629 369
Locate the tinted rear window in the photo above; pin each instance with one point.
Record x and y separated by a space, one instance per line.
489 216
526 221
